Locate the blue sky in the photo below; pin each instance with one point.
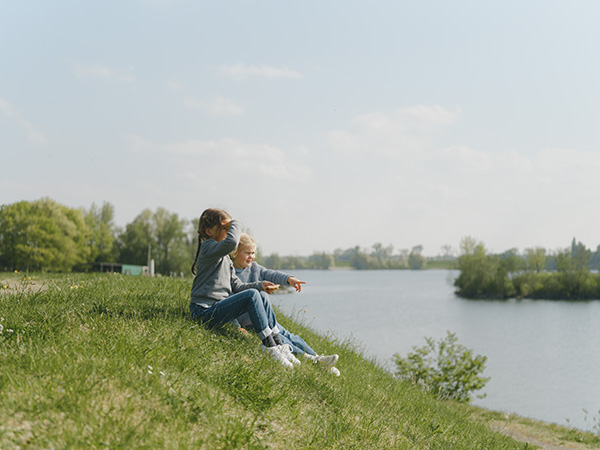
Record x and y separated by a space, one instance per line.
320 125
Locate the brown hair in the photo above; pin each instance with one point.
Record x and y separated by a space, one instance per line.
210 218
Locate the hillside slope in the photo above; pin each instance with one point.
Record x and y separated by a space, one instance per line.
107 361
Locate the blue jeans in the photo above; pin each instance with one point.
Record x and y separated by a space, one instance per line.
226 310
296 342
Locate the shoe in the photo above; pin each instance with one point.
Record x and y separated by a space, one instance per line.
286 350
334 371
327 361
276 354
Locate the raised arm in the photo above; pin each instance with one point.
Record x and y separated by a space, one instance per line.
213 249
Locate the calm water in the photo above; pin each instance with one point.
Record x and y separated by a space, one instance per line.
543 356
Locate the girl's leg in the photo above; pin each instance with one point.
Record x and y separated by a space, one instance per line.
235 305
250 302
271 317
299 346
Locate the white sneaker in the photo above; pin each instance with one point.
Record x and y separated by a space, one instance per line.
276 354
327 361
334 371
286 350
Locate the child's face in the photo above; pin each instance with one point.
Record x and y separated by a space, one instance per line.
245 256
218 232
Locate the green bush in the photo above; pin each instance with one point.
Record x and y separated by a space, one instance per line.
446 368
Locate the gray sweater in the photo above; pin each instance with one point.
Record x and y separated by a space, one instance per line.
256 272
215 278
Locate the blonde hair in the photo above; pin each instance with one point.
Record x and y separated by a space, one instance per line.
245 239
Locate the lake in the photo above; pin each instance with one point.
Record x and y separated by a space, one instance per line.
543 356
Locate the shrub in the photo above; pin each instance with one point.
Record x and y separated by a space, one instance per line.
446 368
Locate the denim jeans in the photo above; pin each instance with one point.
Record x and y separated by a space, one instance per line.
296 342
226 310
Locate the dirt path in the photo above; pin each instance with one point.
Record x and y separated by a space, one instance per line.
523 433
12 285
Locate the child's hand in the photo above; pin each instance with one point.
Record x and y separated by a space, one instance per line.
269 287
226 224
243 330
293 281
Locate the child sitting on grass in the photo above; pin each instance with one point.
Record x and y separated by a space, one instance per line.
249 271
218 296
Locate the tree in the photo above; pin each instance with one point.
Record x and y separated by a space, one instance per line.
535 259
42 235
172 243
322 260
136 239
161 234
482 275
416 260
360 260
101 241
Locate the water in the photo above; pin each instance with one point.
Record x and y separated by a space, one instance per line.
543 356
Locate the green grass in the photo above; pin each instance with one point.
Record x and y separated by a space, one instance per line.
108 361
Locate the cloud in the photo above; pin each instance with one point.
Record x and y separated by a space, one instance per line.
460 158
241 71
33 135
174 86
219 106
224 107
98 72
237 158
405 132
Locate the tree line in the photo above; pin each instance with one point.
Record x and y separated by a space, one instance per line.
44 235
567 274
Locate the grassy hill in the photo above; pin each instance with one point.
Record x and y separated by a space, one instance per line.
108 361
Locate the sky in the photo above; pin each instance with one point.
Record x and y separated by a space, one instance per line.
320 125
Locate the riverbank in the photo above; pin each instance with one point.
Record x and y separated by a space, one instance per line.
102 361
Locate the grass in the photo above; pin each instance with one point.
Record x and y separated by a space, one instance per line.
108 361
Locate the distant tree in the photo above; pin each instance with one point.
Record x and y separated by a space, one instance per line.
446 252
42 235
581 256
382 254
322 260
535 259
360 260
513 262
595 259
273 261
136 239
161 234
172 245
102 240
481 275
416 260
